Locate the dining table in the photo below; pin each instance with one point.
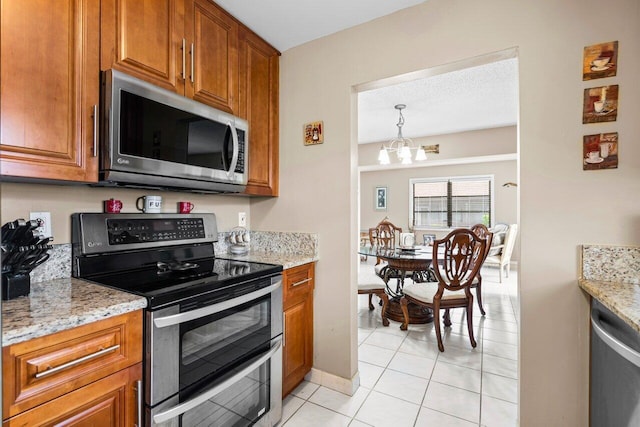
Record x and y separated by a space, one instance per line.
399 265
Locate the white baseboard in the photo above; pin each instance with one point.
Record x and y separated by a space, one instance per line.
334 382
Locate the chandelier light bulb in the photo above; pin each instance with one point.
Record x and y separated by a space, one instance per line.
406 160
405 152
383 156
420 154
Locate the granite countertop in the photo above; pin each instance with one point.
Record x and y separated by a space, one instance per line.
611 274
61 304
621 298
287 260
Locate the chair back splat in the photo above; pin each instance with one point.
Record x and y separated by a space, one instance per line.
459 262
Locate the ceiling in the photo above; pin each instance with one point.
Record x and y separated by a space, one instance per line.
289 23
480 97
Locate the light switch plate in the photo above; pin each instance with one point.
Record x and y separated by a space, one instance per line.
44 219
242 219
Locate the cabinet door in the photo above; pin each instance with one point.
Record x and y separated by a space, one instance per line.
212 72
49 85
297 354
144 38
258 63
109 402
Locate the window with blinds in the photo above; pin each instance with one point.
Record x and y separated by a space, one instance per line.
451 202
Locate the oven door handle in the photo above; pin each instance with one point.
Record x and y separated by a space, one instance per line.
196 401
176 319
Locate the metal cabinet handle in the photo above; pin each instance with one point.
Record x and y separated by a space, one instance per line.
616 345
184 59
284 331
95 130
198 400
138 388
77 361
301 282
193 54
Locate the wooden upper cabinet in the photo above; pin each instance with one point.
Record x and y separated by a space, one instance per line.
144 38
212 55
259 91
187 46
49 85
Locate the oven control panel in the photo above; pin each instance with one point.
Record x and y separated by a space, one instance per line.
130 231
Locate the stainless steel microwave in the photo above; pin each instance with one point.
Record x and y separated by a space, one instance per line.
154 138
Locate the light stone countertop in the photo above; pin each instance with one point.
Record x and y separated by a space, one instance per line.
621 298
61 304
611 274
285 259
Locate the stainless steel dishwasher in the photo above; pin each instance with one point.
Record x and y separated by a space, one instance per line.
615 370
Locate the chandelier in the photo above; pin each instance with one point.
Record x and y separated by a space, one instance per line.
403 147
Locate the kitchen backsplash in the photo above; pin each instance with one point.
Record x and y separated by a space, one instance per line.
611 263
59 264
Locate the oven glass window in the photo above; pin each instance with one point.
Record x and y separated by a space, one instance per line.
215 343
242 404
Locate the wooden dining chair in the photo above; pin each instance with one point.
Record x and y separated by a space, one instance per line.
484 233
369 283
384 235
456 262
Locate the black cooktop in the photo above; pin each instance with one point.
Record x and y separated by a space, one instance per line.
166 258
166 284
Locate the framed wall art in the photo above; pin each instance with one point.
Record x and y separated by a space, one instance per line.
380 198
313 133
600 60
600 104
600 151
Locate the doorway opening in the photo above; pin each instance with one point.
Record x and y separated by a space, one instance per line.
481 145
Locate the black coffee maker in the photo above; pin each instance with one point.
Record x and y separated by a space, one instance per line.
22 251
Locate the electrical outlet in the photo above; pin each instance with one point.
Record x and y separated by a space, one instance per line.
44 221
242 219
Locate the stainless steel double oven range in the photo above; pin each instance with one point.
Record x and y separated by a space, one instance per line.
213 327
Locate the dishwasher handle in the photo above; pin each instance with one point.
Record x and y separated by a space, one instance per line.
616 345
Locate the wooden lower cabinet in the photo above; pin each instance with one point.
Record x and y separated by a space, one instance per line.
85 376
297 357
108 402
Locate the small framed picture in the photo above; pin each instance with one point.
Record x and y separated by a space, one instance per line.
381 198
428 239
600 104
313 134
600 60
600 151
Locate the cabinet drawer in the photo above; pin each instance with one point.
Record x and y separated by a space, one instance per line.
111 401
44 368
297 283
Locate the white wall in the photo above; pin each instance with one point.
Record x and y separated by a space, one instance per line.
318 184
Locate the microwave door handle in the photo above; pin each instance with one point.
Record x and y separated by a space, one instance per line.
176 319
234 157
196 401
